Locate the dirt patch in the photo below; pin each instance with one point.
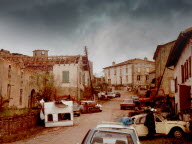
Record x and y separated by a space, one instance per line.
23 135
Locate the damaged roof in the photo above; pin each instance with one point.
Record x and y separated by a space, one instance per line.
161 46
42 62
131 61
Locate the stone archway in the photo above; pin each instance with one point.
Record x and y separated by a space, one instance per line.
32 99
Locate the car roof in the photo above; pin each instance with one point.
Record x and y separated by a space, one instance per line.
111 130
114 125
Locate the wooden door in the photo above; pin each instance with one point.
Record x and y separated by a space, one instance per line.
184 94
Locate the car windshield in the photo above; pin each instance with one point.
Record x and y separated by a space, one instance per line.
160 116
122 129
109 137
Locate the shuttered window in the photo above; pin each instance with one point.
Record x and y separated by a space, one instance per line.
176 84
182 73
190 66
138 77
65 77
187 72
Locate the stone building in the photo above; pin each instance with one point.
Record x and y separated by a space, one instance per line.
160 56
132 73
152 78
23 76
72 77
16 86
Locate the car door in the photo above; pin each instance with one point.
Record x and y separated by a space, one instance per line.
160 125
139 126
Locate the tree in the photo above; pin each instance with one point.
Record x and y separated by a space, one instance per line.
45 82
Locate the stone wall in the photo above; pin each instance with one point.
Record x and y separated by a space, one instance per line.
16 84
16 124
161 56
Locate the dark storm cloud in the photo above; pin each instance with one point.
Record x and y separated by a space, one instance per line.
112 29
70 14
74 11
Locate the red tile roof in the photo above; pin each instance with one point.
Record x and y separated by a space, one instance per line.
131 61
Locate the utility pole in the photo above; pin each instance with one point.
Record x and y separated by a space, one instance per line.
86 53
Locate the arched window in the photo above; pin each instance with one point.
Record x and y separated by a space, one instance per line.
8 91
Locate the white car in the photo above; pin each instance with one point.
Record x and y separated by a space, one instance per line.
162 125
108 136
110 95
119 126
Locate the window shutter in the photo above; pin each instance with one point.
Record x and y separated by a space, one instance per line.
187 72
182 73
190 66
65 76
176 89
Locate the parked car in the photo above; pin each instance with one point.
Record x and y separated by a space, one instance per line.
119 126
127 104
102 96
91 106
110 95
135 98
117 94
108 136
162 125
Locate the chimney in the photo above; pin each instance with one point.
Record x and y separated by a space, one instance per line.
145 59
113 63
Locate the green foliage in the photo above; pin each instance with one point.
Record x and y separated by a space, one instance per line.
13 112
3 101
46 86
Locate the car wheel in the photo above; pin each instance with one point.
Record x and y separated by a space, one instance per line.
177 133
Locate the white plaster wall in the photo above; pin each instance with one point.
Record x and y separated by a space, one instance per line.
187 52
73 71
115 79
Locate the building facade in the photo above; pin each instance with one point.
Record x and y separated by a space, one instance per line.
164 76
17 86
71 78
23 77
180 58
132 73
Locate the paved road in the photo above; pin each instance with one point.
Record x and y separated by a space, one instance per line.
74 135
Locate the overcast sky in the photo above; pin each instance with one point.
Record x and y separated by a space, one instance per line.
112 30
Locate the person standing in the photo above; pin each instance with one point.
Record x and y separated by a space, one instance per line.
150 124
86 107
